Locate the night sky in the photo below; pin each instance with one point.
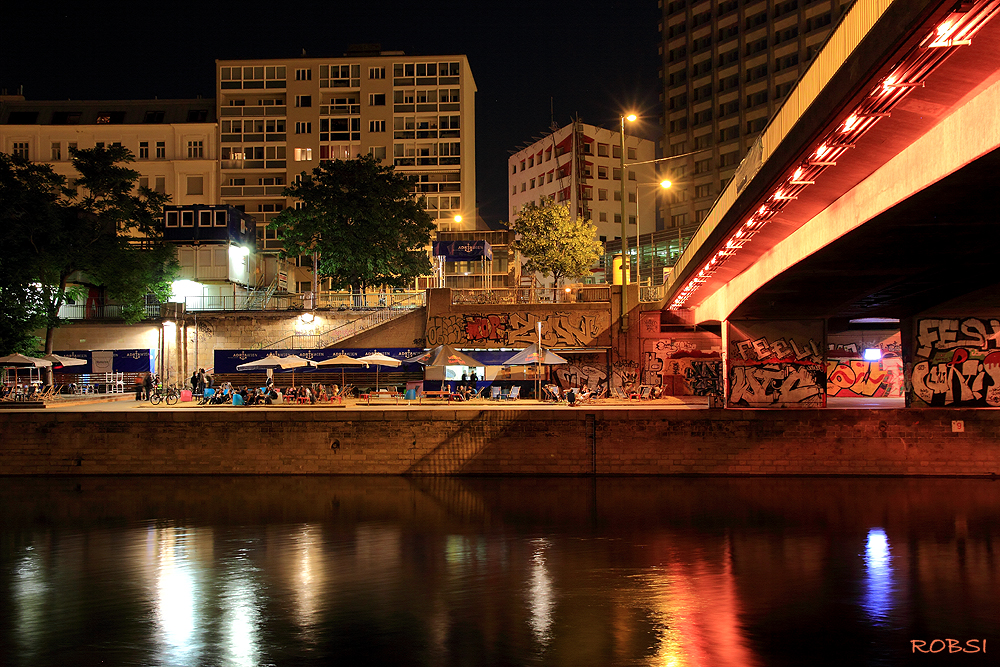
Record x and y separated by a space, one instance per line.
592 58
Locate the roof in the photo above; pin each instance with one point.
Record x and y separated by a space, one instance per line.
112 112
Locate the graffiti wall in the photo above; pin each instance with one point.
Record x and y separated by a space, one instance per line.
560 329
686 365
956 362
776 364
589 368
848 375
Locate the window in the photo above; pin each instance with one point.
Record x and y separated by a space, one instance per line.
303 154
532 185
618 197
143 150
602 194
204 217
376 72
729 133
703 166
303 100
160 184
376 99
618 218
161 150
513 169
616 152
631 175
703 190
21 149
704 141
631 197
700 214
303 128
196 149
376 126
603 217
524 186
531 162
729 159
631 220
602 172
377 152
303 75
678 219
56 151
631 153
522 165
171 218
616 174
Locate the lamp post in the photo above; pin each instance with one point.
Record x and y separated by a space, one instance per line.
621 195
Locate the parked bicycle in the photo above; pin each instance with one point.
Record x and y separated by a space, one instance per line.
171 395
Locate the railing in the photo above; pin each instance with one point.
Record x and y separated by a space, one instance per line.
652 293
101 311
520 295
398 305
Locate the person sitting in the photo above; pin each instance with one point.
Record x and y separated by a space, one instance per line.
657 392
584 392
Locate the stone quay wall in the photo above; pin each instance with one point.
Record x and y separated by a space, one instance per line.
514 441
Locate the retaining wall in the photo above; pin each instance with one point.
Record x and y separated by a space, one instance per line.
497 441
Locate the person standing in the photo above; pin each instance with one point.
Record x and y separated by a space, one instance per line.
147 385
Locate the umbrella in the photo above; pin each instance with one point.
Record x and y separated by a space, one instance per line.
276 363
298 362
379 359
342 360
446 355
21 361
63 362
530 356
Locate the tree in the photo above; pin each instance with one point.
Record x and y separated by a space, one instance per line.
554 242
99 232
363 222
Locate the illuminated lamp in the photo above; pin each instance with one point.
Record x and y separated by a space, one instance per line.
873 354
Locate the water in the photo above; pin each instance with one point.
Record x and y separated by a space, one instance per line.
487 571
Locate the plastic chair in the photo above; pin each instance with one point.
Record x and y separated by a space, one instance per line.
495 393
515 393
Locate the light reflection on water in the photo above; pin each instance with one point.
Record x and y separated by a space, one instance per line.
665 572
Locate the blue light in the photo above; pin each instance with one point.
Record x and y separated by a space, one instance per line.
879 582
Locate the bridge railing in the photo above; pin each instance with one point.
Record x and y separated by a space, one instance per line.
521 295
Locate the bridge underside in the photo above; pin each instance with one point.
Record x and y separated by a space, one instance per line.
938 244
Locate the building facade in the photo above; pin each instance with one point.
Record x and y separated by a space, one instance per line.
726 67
175 142
580 165
280 118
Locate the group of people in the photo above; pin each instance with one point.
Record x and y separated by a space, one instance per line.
145 383
200 381
467 388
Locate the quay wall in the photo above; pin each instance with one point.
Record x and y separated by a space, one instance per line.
376 441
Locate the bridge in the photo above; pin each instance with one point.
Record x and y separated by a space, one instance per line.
871 196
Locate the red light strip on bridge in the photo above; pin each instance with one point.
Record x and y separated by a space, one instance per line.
956 30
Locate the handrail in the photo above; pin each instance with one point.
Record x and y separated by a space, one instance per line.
516 295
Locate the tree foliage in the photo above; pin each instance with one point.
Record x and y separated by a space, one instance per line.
99 231
553 242
362 220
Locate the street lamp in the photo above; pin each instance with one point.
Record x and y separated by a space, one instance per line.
664 184
621 194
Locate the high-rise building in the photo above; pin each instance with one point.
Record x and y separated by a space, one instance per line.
580 165
726 68
280 117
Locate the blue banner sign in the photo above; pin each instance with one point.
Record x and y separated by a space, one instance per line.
109 361
459 251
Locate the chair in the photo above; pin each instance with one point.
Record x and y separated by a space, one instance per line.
619 393
645 393
495 393
515 393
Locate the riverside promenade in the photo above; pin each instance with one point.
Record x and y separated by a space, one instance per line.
486 438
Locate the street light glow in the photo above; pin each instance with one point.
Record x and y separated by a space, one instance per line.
665 184
458 218
631 117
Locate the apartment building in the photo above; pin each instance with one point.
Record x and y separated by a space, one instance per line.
174 141
281 117
727 66
580 165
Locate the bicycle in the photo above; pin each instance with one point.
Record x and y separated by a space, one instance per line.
171 395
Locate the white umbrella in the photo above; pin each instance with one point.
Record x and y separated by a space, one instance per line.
60 361
272 361
379 359
21 361
342 360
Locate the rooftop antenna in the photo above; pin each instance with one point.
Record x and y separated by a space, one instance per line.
552 116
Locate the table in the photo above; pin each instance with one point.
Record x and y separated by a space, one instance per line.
444 393
382 394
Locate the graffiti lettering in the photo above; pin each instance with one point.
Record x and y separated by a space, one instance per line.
487 328
760 350
704 378
865 378
962 381
776 385
560 329
934 335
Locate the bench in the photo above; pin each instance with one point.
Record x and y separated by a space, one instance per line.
444 393
382 394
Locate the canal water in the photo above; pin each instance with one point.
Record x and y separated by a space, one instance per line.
489 571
